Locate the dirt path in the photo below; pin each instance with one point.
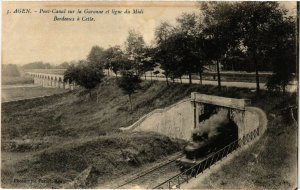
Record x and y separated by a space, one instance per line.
250 85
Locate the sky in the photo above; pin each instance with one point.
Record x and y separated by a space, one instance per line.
36 37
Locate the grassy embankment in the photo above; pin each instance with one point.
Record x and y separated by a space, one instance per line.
59 136
20 93
271 163
5 80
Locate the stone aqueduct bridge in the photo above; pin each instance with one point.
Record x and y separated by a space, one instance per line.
51 80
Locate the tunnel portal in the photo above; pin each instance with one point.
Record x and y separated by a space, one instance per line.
205 106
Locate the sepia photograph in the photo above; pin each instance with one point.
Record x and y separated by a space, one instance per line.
149 94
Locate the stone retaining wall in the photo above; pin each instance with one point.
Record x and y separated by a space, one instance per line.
177 120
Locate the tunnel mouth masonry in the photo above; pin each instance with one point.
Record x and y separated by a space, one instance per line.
218 122
213 115
238 123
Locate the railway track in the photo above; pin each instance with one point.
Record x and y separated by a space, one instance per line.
205 163
149 177
159 174
168 174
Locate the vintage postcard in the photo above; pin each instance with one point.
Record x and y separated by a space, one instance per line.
149 94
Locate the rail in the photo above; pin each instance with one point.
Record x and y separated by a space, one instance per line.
186 175
151 170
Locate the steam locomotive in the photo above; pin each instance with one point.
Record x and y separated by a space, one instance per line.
205 143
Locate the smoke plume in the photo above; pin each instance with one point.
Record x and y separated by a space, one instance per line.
209 128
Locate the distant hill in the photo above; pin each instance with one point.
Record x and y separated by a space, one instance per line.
37 65
42 65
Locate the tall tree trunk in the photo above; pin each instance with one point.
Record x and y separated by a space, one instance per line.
145 77
90 92
283 89
293 117
297 44
130 102
256 72
218 73
190 77
97 94
200 76
167 80
108 72
116 74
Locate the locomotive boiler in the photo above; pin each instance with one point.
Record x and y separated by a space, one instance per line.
212 136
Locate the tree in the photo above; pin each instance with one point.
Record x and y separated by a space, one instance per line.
148 62
282 55
71 74
162 54
237 60
256 27
96 57
188 42
10 70
135 45
129 83
249 26
84 74
156 73
63 65
179 49
220 34
116 59
37 65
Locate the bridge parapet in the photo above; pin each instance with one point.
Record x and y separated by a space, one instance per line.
220 101
203 105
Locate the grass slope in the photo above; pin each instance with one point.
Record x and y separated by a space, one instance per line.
271 163
59 136
6 80
20 93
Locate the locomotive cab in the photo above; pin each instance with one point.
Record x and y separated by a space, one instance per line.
202 144
194 151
